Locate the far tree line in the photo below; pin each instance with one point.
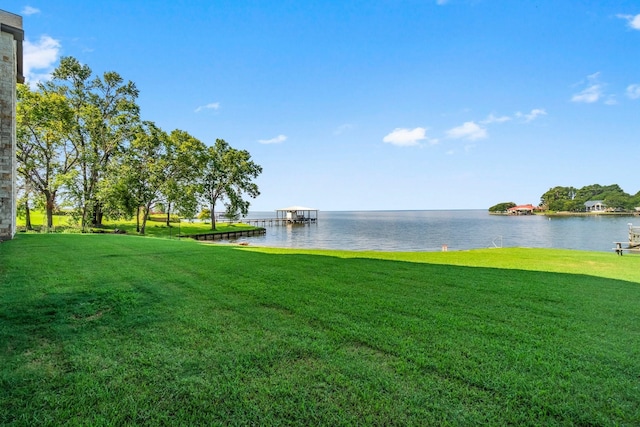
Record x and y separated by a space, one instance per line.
571 199
82 145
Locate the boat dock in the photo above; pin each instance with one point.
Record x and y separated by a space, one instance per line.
227 235
633 245
278 221
286 216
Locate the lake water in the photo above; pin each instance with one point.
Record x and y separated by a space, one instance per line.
458 229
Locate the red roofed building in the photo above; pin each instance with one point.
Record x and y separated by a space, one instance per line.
521 210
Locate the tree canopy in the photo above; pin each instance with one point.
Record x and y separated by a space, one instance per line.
46 159
227 176
105 114
573 200
502 207
81 139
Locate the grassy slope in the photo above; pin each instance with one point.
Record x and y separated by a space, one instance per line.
107 329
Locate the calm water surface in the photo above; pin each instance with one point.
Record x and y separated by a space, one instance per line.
458 229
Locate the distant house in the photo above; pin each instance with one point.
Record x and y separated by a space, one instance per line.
521 210
595 206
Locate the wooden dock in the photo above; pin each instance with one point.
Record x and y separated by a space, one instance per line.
228 235
633 245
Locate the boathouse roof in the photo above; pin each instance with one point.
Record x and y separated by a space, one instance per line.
298 214
528 207
296 208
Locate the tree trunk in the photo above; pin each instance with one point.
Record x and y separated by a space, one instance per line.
84 218
213 217
138 220
27 216
85 199
168 214
144 219
50 197
96 220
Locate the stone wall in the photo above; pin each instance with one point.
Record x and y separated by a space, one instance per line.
10 73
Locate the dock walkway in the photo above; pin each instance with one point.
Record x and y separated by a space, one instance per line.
226 235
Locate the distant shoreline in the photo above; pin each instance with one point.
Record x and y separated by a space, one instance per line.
565 213
589 214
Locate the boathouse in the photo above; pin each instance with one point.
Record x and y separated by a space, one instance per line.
595 206
297 215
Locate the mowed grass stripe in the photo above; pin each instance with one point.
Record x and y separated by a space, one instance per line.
108 329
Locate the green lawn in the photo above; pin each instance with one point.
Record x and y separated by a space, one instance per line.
38 219
121 330
156 226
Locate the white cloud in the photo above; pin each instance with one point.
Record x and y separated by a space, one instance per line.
28 10
589 95
406 137
212 106
39 59
592 93
469 130
534 114
277 140
632 20
495 119
633 91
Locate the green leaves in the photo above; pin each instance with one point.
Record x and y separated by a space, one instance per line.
228 176
46 158
572 199
82 134
105 115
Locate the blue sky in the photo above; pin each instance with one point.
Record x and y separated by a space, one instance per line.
368 105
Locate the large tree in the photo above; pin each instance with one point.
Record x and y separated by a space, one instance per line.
46 158
180 190
105 115
558 198
135 179
155 167
227 177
